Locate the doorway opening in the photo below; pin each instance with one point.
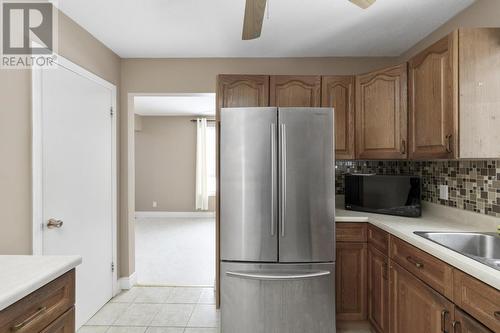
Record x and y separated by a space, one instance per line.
175 184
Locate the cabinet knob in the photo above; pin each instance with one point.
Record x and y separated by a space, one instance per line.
444 313
28 320
414 262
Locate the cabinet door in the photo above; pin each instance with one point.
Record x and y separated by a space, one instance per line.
381 114
415 307
295 91
338 92
479 97
433 91
351 281
466 324
242 91
378 290
63 324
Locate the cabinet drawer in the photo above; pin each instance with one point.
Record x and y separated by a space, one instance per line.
379 239
429 269
478 299
36 311
63 324
351 232
464 323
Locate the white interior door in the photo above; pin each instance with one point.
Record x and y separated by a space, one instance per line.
77 180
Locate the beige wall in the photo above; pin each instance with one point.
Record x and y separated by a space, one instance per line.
165 164
15 131
482 14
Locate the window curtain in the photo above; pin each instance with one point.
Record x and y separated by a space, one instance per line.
201 165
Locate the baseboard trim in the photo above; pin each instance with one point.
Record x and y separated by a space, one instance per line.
128 282
159 214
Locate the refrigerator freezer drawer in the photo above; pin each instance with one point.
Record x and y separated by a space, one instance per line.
277 298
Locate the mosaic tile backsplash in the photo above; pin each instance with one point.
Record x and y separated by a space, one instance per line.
472 185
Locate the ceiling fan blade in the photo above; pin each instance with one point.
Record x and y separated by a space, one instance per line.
254 17
363 3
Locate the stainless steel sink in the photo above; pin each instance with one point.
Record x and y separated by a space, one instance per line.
481 246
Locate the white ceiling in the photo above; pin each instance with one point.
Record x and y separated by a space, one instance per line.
295 28
175 105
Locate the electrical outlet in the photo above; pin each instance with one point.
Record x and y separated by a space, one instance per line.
155 204
443 192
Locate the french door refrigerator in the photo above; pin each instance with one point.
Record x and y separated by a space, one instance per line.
277 220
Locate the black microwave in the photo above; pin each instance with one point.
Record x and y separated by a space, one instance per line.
384 194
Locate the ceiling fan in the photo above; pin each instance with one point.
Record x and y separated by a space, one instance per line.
254 16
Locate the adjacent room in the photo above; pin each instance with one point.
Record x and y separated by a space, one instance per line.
175 189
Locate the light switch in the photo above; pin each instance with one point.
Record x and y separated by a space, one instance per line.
443 192
155 204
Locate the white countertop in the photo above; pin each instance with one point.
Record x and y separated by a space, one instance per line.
435 218
21 275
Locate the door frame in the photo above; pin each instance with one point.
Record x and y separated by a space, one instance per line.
131 172
37 158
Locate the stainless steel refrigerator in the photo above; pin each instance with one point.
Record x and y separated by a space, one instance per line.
277 226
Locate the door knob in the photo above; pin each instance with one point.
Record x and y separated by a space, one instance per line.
53 223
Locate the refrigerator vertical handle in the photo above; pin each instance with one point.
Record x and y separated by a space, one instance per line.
283 179
273 171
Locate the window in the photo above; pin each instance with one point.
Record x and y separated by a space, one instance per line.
211 165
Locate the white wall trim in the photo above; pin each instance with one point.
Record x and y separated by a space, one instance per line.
37 158
162 214
128 282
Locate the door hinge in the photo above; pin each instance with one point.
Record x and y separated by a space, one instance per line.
111 111
112 267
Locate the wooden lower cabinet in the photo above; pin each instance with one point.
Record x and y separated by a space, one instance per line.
464 323
415 307
407 291
42 308
351 281
378 290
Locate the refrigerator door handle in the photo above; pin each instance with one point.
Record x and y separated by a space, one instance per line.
273 171
277 276
283 179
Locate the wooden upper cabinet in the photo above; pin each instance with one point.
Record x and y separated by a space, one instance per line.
381 114
295 91
338 92
415 307
479 92
242 91
433 97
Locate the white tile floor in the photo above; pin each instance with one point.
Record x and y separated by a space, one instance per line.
170 310
175 251
157 310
